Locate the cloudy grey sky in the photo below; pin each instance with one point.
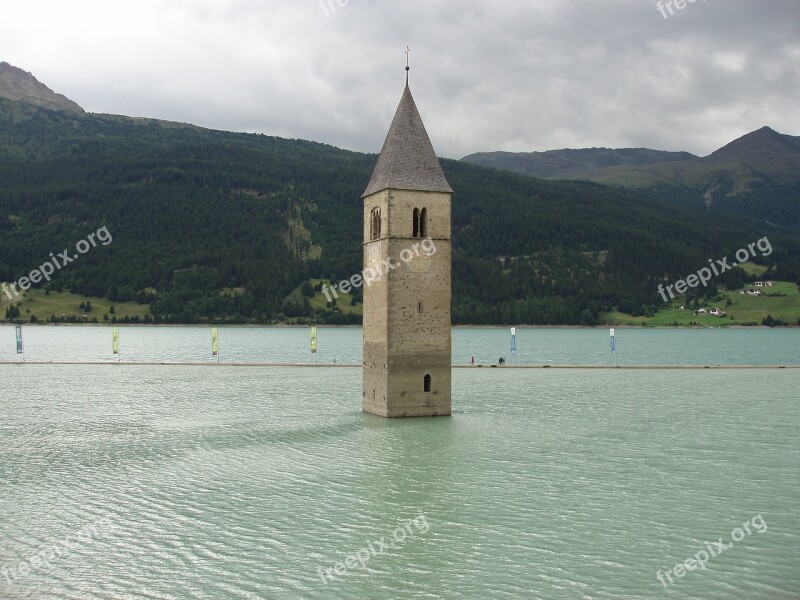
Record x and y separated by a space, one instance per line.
506 75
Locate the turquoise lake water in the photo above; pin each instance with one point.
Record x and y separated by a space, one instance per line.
172 482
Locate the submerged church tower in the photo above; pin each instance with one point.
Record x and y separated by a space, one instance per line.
407 261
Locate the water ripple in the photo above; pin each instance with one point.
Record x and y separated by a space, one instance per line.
248 484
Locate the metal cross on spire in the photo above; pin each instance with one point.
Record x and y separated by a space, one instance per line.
408 68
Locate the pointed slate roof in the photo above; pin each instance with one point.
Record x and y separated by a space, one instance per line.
407 160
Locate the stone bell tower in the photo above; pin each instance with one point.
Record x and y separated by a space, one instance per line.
407 261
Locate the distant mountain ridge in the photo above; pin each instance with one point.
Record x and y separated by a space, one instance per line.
572 164
764 143
19 85
755 176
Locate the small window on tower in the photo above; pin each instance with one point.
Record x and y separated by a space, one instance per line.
427 383
423 222
419 306
415 223
375 224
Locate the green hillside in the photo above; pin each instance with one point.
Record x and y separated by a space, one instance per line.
212 226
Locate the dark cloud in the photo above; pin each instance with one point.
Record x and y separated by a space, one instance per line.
530 75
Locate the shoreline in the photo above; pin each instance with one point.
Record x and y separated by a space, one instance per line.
355 365
324 326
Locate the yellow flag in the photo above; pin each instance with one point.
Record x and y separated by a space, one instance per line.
313 340
214 341
115 340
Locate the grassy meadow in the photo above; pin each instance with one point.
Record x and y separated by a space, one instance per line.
43 305
781 302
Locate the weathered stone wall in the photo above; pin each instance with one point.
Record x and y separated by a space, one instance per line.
402 204
375 320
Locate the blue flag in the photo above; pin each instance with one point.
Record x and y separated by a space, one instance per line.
613 342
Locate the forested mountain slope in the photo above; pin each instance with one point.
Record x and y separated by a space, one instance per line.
209 225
